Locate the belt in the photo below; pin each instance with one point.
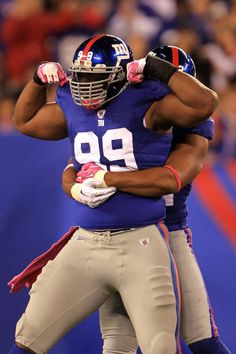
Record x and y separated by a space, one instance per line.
108 233
115 230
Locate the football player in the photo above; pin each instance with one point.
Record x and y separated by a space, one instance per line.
102 115
189 147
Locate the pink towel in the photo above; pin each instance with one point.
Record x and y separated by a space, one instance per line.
28 276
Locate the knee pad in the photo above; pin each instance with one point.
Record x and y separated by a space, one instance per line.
209 346
164 343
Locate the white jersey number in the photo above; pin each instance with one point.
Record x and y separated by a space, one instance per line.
87 149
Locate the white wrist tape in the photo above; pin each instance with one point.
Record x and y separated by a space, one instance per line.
100 176
75 191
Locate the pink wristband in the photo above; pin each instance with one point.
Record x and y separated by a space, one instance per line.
176 175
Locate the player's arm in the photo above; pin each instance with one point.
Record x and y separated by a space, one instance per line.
186 158
190 101
68 178
35 117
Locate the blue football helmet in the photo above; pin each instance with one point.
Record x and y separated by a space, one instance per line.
175 56
99 70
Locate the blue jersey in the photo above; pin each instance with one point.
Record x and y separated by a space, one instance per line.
176 210
116 138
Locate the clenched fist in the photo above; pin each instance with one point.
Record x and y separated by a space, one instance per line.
49 73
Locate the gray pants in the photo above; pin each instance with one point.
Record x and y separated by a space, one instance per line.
197 321
90 268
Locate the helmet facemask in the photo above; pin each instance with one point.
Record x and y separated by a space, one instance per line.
90 85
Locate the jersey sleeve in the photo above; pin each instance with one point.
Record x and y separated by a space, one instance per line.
159 89
64 100
205 129
59 97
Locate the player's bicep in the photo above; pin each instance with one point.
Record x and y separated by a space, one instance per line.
48 123
171 109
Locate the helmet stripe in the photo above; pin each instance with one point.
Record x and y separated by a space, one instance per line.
90 43
175 56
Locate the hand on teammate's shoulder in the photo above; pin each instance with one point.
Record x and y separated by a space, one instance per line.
135 71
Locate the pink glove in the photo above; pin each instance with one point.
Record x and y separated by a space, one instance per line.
51 72
88 170
135 71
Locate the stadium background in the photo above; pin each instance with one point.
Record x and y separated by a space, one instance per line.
34 210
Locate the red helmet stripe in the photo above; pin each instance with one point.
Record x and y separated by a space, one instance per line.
90 43
175 56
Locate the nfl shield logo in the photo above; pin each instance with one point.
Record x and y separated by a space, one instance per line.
100 115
